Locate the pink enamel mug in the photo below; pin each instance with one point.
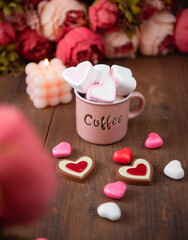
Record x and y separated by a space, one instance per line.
104 123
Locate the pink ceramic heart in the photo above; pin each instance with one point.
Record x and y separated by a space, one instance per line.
115 190
81 77
105 91
153 141
63 149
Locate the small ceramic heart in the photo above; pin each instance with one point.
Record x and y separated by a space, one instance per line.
78 170
153 141
125 83
63 149
105 91
123 156
174 170
109 210
140 172
81 77
115 190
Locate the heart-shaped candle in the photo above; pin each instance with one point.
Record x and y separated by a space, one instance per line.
78 170
139 173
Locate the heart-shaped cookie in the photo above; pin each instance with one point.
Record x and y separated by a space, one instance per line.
123 156
78 170
139 173
153 141
105 91
174 170
81 77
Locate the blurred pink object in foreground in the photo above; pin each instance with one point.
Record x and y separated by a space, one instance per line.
118 44
27 175
181 32
156 34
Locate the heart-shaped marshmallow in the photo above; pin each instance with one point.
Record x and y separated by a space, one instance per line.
174 170
63 149
125 83
81 77
123 156
109 210
104 92
102 71
139 173
153 141
115 190
78 170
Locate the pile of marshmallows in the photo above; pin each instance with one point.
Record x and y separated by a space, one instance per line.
100 83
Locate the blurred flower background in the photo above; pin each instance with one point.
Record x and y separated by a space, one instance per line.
75 31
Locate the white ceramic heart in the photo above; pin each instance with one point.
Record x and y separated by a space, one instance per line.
109 210
174 170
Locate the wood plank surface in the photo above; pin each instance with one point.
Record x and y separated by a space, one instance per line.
156 212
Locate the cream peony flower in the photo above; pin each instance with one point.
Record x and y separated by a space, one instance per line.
154 31
53 15
118 44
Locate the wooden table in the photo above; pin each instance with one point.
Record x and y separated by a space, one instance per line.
156 212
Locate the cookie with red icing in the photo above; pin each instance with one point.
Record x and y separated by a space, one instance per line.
77 170
140 172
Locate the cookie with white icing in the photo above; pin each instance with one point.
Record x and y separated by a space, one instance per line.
140 172
77 170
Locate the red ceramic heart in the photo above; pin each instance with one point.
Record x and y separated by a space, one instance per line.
123 156
77 167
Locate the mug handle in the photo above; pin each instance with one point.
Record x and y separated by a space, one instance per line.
140 107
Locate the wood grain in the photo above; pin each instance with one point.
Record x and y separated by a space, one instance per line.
159 211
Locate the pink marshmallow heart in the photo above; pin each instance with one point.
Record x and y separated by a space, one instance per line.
63 149
125 83
153 141
115 190
105 91
81 77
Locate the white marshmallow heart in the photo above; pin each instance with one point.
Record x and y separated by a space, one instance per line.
174 170
81 77
104 92
125 83
102 71
109 210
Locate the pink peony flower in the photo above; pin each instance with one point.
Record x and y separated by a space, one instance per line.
7 34
118 44
80 44
156 34
33 47
57 16
181 32
103 15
